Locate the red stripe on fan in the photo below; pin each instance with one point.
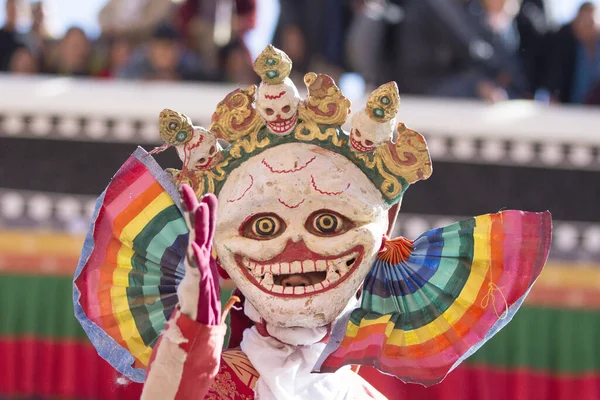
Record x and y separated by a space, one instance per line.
127 174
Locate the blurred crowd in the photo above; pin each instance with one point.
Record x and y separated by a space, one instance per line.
487 49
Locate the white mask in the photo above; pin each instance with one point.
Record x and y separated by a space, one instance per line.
296 209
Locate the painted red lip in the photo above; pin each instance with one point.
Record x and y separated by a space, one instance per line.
359 147
338 268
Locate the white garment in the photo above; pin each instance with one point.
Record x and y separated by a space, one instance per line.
285 371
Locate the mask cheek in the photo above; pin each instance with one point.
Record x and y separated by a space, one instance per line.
232 244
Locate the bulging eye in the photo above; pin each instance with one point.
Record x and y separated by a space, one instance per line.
327 223
286 109
263 227
270 111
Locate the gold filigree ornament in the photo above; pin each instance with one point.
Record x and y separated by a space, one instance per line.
273 65
384 102
235 116
325 103
391 166
174 128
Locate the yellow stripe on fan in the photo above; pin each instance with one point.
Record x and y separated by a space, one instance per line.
467 297
120 303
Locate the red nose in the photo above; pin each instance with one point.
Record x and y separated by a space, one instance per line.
294 252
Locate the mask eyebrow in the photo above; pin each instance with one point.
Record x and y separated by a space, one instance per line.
314 185
287 171
290 206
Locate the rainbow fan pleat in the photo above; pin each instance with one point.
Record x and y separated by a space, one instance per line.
461 284
125 286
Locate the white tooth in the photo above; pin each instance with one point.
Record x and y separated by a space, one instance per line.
275 269
296 267
343 268
251 265
268 279
263 268
246 262
284 268
309 289
288 290
277 289
299 290
325 283
257 274
308 266
321 265
332 276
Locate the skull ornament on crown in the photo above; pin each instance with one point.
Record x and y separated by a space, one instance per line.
302 213
278 98
374 125
197 148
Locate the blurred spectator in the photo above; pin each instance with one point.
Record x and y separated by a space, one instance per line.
24 61
462 49
207 25
37 38
373 42
312 33
72 55
574 65
117 57
8 35
134 20
235 64
164 58
533 26
593 97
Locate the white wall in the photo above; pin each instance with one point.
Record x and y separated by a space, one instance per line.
518 120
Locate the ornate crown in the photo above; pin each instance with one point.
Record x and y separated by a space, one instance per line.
272 65
391 166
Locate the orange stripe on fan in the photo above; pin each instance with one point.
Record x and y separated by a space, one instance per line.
454 333
109 322
136 207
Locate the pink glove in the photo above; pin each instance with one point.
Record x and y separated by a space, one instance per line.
199 292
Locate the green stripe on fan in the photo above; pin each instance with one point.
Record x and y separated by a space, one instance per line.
540 339
151 241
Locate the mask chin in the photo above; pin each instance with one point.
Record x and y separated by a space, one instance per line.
298 336
295 336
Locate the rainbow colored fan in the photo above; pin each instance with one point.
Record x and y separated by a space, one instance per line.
125 286
429 304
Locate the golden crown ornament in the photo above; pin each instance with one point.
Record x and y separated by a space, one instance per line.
242 120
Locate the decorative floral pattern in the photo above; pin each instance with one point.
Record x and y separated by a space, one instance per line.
236 378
